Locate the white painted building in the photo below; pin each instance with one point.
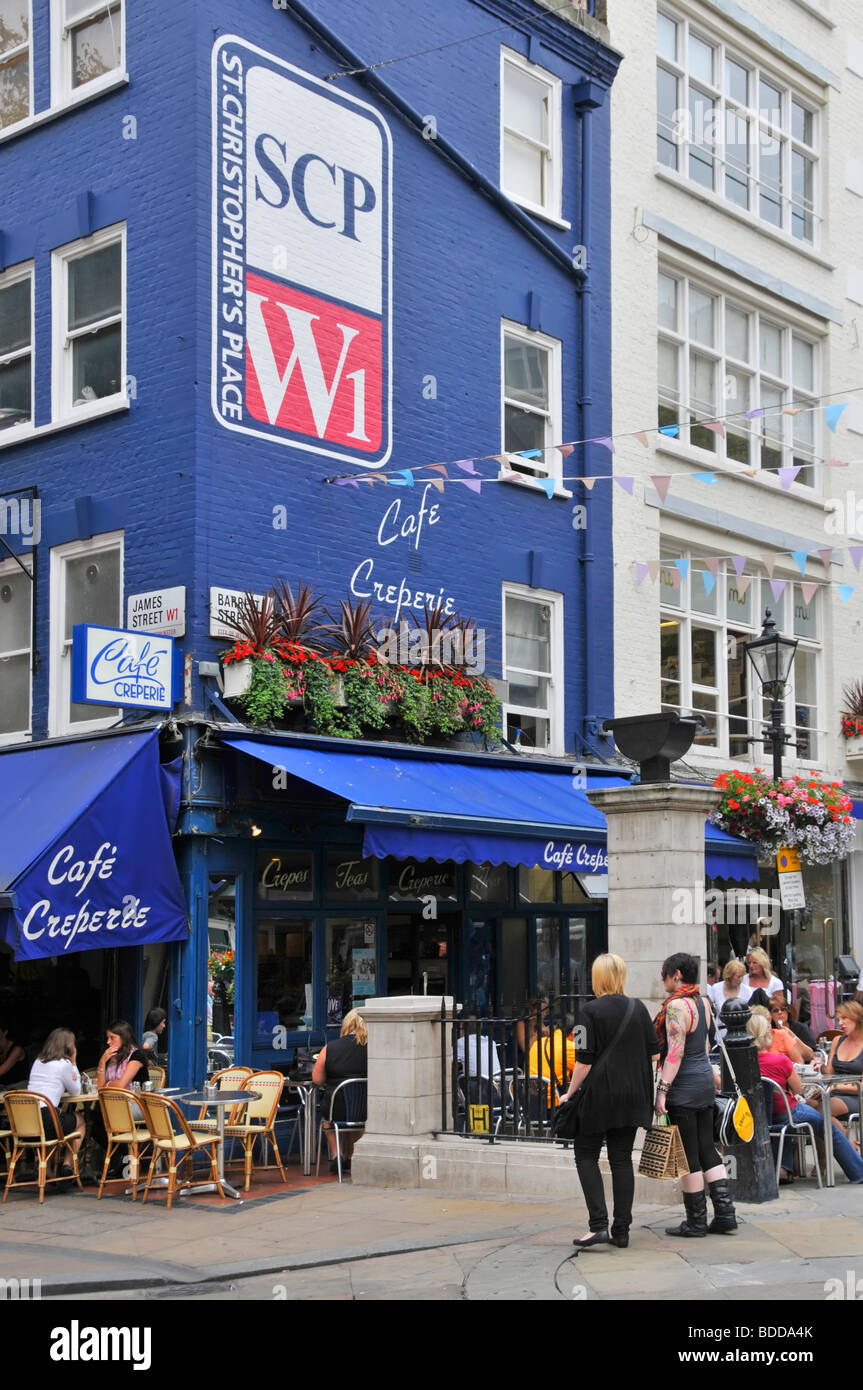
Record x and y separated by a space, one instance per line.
737 263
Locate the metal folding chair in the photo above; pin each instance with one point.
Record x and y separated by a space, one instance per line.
354 1092
799 1132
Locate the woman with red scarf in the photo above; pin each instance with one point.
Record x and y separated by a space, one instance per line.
686 1092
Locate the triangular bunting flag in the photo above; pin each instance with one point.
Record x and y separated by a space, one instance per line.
800 557
588 483
777 587
641 436
438 483
547 484
640 572
769 563
856 553
403 477
742 585
565 449
705 477
502 459
709 581
626 483
831 415
531 453
712 563
787 475
671 430
837 463
748 472
466 465
845 591
809 591
754 414
653 570
661 481
346 482
791 409
713 425
438 468
739 563
826 557
606 441
682 566
473 484
676 579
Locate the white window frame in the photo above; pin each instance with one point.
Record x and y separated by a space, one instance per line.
686 615
62 89
759 129
10 567
555 676
13 55
60 678
63 408
552 206
551 463
25 271
779 426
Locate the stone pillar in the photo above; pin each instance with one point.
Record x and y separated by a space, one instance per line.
655 877
405 1086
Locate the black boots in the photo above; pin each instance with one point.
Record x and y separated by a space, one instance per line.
619 1236
724 1217
695 1221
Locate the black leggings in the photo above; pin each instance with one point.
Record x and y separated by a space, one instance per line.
619 1143
696 1132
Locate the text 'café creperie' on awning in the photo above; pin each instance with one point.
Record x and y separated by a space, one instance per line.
306 873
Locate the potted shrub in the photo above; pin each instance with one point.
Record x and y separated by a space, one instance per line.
852 720
257 624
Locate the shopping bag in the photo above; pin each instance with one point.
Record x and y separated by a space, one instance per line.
663 1155
743 1120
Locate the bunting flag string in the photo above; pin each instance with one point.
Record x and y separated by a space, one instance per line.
679 568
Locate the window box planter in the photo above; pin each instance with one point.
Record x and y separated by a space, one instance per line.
236 679
854 747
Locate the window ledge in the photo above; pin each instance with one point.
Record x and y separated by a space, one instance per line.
705 462
15 738
693 190
813 8
112 405
542 213
110 83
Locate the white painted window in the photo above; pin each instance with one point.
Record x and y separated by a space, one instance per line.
533 668
736 129
531 161
89 286
721 357
86 587
705 621
88 44
16 649
531 396
16 63
16 349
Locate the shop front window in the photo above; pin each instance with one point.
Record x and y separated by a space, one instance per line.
286 876
350 878
535 885
417 955
414 879
351 965
488 883
547 957
283 977
513 964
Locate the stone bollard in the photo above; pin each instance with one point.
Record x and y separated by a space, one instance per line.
752 1167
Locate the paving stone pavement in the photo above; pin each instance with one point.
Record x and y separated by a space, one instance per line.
351 1243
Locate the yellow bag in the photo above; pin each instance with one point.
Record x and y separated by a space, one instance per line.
743 1120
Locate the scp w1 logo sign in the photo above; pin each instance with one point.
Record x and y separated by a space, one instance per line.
301 259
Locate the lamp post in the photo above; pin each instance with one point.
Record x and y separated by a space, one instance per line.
772 657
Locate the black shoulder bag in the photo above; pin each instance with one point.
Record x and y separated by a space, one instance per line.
566 1122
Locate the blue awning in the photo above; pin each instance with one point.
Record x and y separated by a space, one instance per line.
426 809
86 859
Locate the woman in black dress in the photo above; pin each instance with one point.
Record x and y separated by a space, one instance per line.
617 1102
346 1057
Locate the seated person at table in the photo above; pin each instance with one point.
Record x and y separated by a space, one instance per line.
13 1061
478 1054
780 1017
347 1056
846 1059
55 1073
122 1062
782 1041
551 1055
781 1070
154 1027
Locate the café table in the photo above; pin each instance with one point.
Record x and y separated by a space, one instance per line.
221 1101
825 1085
308 1093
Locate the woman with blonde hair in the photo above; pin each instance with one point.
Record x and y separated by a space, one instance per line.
342 1060
615 1046
733 985
761 975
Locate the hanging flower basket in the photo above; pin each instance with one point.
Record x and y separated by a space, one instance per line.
804 811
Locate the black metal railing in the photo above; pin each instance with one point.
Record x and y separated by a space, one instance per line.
501 1078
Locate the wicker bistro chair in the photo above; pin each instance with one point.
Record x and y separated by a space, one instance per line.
27 1112
122 1128
229 1079
354 1092
172 1137
798 1133
157 1075
257 1119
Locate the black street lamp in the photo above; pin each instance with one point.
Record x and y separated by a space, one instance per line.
772 657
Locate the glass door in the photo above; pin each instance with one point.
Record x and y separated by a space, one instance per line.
420 954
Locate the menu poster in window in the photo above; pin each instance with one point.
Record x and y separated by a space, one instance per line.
335 1009
285 875
363 971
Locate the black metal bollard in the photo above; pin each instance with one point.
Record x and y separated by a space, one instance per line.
751 1170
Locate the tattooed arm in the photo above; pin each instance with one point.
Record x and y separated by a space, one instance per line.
679 1020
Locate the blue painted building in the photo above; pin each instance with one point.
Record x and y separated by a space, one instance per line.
260 266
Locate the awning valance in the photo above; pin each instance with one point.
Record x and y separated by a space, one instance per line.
86 860
426 809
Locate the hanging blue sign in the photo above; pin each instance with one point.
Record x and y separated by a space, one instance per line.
132 670
109 878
